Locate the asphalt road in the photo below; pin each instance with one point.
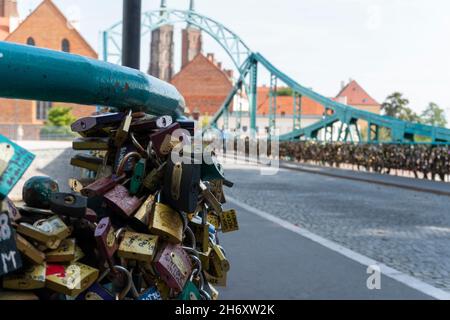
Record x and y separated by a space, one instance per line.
270 262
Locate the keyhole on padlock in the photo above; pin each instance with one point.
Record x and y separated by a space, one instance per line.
69 200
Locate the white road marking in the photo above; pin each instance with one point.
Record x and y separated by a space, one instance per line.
399 276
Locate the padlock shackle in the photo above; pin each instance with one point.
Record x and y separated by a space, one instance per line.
32 73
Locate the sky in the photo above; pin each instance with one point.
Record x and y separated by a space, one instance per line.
386 45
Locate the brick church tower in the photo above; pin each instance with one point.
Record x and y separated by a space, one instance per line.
161 51
191 42
9 17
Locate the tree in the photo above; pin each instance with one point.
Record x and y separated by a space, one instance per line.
394 104
408 114
60 117
434 116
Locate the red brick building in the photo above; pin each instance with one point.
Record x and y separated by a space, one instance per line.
204 84
45 27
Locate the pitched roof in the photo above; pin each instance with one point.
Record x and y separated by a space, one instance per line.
356 95
60 15
285 104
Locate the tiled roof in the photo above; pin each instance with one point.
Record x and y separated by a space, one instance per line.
355 95
285 104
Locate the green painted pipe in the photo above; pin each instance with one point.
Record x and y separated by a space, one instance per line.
39 74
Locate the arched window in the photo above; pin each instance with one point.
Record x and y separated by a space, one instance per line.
65 45
30 41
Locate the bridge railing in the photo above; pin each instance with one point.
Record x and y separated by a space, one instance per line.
32 73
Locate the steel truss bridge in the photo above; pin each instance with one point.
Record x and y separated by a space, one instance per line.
340 122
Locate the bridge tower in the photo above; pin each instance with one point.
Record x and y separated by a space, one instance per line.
9 17
192 41
162 50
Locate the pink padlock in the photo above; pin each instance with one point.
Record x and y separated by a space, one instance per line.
174 266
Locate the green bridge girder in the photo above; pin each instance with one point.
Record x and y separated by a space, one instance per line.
247 63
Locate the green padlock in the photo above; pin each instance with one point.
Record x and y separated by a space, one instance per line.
190 292
212 171
138 177
37 190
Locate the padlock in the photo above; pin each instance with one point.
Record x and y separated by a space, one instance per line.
97 122
101 186
216 187
181 186
69 205
121 202
37 190
190 291
210 199
149 124
18 296
188 125
79 254
166 223
8 206
212 169
138 246
76 278
151 294
162 141
213 219
28 250
154 179
128 165
92 143
64 253
97 291
138 176
218 262
123 131
49 232
215 280
76 185
141 220
213 293
32 278
201 233
87 162
106 240
228 221
174 266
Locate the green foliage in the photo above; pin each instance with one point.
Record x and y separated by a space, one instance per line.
434 116
60 133
407 114
395 105
285 91
60 116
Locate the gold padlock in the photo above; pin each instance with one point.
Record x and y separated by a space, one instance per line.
218 262
77 278
17 296
49 232
142 216
31 278
214 220
79 254
212 291
166 223
138 246
28 250
228 221
64 253
217 281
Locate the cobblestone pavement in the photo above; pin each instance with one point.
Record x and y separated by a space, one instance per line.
406 230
